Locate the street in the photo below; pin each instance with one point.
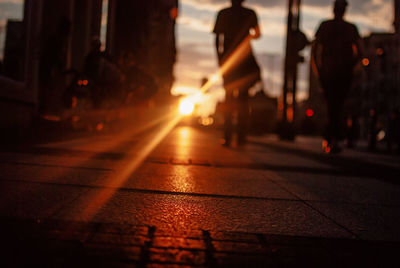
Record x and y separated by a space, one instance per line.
170 194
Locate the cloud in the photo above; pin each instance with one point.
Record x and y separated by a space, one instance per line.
371 14
194 63
12 1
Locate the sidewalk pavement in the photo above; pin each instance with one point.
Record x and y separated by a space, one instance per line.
55 243
269 203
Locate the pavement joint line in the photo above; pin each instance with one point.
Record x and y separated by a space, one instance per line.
192 162
68 203
145 250
146 191
261 166
55 166
317 210
261 239
210 259
160 192
279 249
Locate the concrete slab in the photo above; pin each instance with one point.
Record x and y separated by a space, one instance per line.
34 201
339 189
206 180
368 222
56 175
185 212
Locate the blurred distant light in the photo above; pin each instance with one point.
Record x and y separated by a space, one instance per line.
381 135
365 62
207 121
379 51
325 146
85 82
309 112
99 126
186 107
214 78
76 118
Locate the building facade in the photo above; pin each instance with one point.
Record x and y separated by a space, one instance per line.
56 35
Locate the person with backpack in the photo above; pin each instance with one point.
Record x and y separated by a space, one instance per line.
337 49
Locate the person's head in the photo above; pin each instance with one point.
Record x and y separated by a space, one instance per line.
339 8
237 2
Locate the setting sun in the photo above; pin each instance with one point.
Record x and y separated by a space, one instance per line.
186 107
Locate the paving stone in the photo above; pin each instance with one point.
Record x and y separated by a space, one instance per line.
123 229
177 256
158 160
172 232
69 235
225 246
199 162
132 253
175 161
176 242
119 239
242 260
233 236
164 265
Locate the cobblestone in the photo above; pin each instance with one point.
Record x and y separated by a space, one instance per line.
177 256
113 245
231 236
230 246
180 243
118 239
171 232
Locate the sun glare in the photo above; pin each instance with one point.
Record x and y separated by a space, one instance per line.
186 107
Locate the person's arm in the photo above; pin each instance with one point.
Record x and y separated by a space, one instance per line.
316 52
255 32
219 46
358 51
219 37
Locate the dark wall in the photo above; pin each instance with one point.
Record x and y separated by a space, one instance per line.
146 30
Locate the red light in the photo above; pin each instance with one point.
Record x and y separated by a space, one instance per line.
365 62
85 82
310 112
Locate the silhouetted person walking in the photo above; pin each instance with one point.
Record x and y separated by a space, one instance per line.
104 76
337 49
234 28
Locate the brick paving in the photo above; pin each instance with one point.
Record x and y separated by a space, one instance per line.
55 243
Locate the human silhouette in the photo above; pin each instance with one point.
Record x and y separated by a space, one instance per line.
102 73
138 84
234 28
337 49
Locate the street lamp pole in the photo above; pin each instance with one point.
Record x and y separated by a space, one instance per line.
295 41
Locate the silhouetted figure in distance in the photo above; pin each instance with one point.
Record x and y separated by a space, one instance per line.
234 28
102 73
138 84
337 49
